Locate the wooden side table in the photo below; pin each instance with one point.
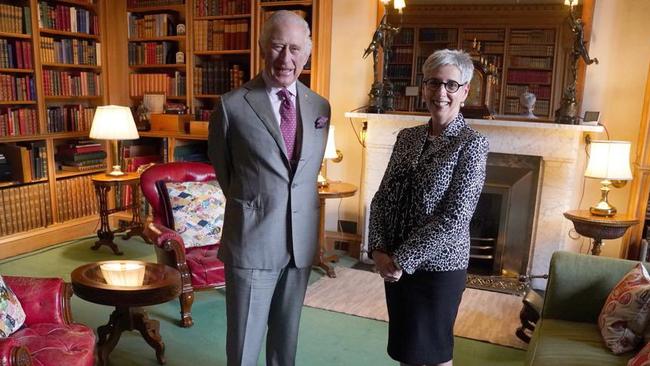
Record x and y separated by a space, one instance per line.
332 190
600 227
103 184
161 284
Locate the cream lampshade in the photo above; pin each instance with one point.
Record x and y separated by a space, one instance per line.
113 122
609 161
331 153
123 273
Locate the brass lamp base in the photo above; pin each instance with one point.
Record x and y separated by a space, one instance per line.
322 181
603 208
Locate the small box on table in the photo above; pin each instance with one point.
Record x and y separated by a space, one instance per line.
170 122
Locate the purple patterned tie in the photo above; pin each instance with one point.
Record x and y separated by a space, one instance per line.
287 121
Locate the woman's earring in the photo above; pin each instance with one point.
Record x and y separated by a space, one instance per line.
462 104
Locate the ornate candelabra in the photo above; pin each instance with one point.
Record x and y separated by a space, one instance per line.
382 95
568 111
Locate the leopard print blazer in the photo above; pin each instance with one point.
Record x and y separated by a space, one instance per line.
422 209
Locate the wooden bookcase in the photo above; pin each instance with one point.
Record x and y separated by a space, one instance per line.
63 60
529 45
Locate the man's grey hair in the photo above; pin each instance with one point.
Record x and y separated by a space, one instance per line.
279 19
458 58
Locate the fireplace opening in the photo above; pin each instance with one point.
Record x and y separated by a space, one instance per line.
502 226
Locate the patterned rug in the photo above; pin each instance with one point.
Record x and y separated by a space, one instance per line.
483 315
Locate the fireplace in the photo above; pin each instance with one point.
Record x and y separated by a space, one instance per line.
502 227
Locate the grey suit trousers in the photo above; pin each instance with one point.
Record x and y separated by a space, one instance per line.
261 299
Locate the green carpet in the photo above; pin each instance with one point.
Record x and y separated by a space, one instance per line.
326 338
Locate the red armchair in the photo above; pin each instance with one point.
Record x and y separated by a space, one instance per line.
199 266
48 337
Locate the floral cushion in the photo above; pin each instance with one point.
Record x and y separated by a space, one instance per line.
198 209
623 318
12 315
642 358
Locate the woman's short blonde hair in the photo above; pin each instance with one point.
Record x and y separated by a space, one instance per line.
458 58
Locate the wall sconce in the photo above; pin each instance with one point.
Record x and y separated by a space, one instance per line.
123 273
609 161
113 122
332 154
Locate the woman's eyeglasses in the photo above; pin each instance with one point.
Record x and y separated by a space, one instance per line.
451 86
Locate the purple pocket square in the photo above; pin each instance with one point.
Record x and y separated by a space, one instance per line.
321 122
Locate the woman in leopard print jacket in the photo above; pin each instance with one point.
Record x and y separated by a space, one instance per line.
419 217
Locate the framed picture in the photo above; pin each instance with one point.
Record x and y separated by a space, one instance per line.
154 103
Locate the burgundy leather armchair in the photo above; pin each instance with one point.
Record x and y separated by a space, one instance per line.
199 266
48 337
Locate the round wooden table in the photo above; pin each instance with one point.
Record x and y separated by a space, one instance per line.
161 284
103 183
332 190
599 227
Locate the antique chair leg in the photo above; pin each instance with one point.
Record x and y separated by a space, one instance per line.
529 314
186 299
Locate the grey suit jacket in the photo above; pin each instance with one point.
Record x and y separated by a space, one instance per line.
271 214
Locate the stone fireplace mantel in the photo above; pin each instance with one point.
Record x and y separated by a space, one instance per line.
560 146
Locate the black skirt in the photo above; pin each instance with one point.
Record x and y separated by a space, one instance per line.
422 309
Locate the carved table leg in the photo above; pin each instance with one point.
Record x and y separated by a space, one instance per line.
136 225
104 233
109 334
598 244
150 330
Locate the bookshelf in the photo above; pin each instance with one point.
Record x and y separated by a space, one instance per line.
50 56
529 45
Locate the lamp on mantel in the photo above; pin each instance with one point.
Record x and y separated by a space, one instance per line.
113 122
332 154
609 161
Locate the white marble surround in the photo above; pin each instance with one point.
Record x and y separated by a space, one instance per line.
560 146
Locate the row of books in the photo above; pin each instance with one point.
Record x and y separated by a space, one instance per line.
191 150
402 55
80 156
5 169
24 208
70 51
134 154
15 54
15 19
16 87
150 25
438 35
145 3
531 50
512 106
485 46
540 91
484 34
68 118
531 62
529 77
76 198
217 77
204 8
170 85
67 18
219 35
18 121
532 36
152 53
71 83
405 36
28 160
202 113
399 71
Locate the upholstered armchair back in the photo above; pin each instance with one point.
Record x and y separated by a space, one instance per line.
153 180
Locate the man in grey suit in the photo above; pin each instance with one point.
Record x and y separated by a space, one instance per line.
266 143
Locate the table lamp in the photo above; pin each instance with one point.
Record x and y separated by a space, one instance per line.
609 161
113 122
332 154
123 273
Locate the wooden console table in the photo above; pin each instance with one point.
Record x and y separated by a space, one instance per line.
332 190
600 227
103 184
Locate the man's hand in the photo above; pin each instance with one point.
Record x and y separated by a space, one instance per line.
386 267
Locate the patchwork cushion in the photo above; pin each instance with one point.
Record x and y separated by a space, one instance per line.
623 317
642 358
12 315
198 209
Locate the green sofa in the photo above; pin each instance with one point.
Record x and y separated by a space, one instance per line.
567 333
